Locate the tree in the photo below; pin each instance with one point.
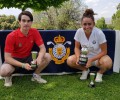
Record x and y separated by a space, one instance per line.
68 16
101 23
118 7
116 19
33 4
110 26
8 22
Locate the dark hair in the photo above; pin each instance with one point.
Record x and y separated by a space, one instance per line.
27 13
89 14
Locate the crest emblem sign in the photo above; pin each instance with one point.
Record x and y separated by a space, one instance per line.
59 52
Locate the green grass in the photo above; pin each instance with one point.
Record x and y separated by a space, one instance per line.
65 87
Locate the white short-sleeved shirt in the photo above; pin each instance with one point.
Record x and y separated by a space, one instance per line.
96 38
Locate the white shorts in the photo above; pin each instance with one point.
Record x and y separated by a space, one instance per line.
94 63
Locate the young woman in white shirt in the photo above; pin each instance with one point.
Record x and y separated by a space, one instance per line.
94 39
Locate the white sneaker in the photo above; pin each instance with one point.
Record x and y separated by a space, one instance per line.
84 74
98 77
38 79
8 81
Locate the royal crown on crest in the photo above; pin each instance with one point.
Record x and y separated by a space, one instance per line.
59 39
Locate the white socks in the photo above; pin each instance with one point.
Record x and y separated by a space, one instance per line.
98 77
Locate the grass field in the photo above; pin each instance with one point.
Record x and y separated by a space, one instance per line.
65 87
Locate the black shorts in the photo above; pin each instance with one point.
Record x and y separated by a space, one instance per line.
22 70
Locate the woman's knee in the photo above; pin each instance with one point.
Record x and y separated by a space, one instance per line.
106 62
71 60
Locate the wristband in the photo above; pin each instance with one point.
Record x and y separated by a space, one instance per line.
23 65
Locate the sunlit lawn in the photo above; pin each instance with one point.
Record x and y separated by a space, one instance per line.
65 87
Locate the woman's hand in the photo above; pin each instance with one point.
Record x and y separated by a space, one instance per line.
89 63
77 62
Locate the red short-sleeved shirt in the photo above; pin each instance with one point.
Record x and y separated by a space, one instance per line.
20 45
